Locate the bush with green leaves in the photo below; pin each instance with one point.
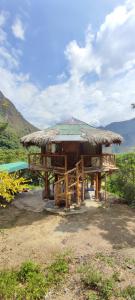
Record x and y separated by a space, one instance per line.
101 288
31 282
122 182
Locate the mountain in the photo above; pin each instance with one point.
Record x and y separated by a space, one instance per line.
126 129
13 123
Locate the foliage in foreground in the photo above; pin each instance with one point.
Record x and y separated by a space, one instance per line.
10 185
101 288
31 282
122 183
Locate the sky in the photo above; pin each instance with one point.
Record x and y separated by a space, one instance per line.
62 58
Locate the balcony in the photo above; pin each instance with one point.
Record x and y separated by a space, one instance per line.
58 162
48 162
101 163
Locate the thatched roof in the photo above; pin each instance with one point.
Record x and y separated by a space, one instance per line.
71 130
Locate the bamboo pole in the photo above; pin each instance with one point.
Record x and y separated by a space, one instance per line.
77 186
99 185
46 186
83 180
66 190
96 194
65 163
105 189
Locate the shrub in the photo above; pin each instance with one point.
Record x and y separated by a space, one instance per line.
92 296
90 277
30 282
122 183
129 293
57 270
8 284
10 184
106 289
27 268
101 288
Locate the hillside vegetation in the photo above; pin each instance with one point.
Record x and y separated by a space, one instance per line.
13 124
122 182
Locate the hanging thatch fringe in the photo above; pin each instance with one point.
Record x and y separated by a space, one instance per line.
93 135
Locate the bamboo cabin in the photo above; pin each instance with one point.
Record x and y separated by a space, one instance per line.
72 159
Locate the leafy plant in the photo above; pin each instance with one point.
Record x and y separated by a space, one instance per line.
10 184
57 270
31 282
90 277
122 183
107 259
106 288
93 296
27 268
129 292
8 284
101 288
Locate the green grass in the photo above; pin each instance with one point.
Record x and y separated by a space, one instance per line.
94 280
129 293
30 281
99 287
106 259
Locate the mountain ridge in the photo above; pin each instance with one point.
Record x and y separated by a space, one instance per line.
125 128
15 125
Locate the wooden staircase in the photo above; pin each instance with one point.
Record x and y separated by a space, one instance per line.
70 186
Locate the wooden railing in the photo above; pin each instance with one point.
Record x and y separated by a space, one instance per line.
58 162
39 161
99 161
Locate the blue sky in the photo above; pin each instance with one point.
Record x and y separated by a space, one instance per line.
61 58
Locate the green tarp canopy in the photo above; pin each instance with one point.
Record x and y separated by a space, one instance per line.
13 167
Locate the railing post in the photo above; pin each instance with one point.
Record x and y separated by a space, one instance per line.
45 162
65 163
83 183
77 185
96 193
66 190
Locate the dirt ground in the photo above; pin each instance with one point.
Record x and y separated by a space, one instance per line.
39 235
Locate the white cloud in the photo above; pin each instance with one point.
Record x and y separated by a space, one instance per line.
18 29
83 60
101 83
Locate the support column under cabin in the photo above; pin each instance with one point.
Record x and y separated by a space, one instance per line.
97 191
46 181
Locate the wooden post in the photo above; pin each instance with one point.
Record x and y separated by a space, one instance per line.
105 190
77 186
83 180
99 185
65 163
92 180
96 193
66 191
46 186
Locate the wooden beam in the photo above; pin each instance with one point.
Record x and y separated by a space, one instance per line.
83 180
99 186
96 192
46 186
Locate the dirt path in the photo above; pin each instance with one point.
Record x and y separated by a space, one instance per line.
32 235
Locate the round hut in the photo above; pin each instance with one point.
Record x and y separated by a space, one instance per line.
72 158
